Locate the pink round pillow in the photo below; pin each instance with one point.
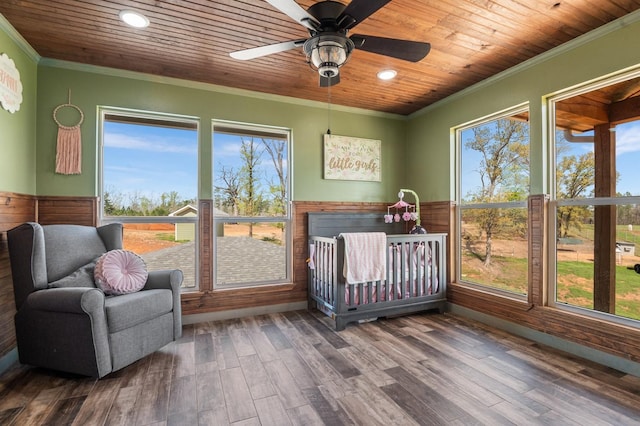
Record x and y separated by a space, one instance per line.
120 272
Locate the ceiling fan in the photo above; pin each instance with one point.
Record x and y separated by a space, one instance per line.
329 44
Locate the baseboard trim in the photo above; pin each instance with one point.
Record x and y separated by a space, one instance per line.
612 361
244 312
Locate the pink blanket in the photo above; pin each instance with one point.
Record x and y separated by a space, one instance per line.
364 256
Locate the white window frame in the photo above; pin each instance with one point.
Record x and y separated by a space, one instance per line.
255 129
554 203
103 112
460 207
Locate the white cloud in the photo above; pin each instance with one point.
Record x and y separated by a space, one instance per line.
148 143
627 138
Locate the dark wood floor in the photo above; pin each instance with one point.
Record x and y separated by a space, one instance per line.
292 368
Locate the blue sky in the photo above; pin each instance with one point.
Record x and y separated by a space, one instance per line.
627 159
151 160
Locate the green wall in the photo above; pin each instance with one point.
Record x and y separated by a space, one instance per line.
93 87
17 130
430 145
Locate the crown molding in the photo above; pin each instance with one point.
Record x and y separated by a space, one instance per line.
18 39
115 72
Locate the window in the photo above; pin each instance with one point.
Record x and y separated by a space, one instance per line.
493 187
149 182
596 208
251 199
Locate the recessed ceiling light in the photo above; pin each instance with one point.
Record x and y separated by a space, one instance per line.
387 74
134 19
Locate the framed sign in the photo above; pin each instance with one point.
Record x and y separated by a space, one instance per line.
10 84
348 158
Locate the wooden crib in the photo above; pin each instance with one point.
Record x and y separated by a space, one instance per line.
415 264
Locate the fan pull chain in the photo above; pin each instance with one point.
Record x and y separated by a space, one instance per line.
329 107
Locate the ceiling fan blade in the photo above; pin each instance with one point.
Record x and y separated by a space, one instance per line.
326 81
357 11
257 52
412 51
295 12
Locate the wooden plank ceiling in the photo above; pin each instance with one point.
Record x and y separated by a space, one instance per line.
191 39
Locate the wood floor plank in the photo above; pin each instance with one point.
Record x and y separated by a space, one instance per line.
151 405
305 415
447 409
299 369
226 354
331 414
277 338
122 411
216 417
597 408
285 385
10 415
183 395
209 391
241 342
236 394
204 349
339 362
419 411
380 403
184 418
565 408
271 412
64 411
97 405
162 359
294 368
257 378
184 360
368 351
264 348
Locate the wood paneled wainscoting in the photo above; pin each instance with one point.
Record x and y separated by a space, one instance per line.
19 208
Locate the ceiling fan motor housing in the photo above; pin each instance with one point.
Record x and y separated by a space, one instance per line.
328 52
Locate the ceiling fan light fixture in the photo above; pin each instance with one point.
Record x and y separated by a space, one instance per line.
387 74
134 19
327 53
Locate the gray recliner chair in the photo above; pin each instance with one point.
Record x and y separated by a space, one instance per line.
64 322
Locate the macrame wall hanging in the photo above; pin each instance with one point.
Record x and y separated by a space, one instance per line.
69 145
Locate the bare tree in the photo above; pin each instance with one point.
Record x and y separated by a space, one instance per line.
230 190
251 198
276 148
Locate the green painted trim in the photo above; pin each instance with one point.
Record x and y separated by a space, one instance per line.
576 349
18 39
595 34
8 360
114 72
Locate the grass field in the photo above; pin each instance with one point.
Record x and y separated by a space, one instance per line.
574 282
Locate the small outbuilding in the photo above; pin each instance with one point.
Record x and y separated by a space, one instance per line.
187 231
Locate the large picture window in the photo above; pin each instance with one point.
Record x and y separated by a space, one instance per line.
493 186
251 201
596 208
149 182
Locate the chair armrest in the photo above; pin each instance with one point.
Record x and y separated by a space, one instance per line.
168 279
80 300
